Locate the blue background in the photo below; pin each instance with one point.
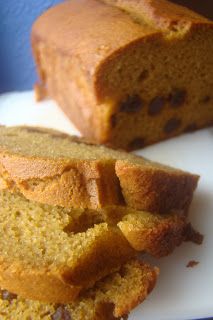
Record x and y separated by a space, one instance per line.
16 64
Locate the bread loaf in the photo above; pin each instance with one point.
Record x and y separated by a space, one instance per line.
53 168
112 298
127 72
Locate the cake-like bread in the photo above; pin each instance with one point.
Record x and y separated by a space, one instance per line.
42 258
57 169
143 72
155 234
52 253
147 232
112 298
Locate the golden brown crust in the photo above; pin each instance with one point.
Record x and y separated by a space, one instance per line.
155 189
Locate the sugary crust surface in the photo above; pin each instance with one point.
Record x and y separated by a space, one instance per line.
110 299
140 187
94 184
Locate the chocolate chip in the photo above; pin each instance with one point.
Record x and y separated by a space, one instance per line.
6 295
209 123
191 127
61 313
156 105
143 75
172 125
206 99
122 271
177 98
137 143
113 120
192 235
131 104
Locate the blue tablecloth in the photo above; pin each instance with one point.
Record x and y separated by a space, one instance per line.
17 70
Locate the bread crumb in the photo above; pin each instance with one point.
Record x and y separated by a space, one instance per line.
192 264
193 235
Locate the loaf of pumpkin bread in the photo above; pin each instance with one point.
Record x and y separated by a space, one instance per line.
112 298
57 169
127 72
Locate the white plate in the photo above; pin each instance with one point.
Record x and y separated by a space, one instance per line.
181 293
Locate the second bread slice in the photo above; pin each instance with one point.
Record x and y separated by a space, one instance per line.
155 234
40 258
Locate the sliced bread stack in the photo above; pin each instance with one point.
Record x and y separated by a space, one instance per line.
73 218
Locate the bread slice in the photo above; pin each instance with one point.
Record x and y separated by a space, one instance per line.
42 258
142 73
147 232
155 234
57 169
112 298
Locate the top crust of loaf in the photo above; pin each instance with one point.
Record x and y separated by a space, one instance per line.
93 46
